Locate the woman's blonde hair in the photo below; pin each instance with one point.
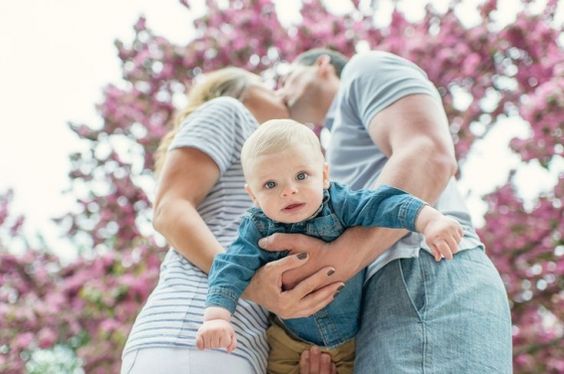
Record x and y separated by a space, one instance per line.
229 81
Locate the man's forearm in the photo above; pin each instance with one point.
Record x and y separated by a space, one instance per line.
368 243
419 172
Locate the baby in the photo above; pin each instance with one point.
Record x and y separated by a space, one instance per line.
288 181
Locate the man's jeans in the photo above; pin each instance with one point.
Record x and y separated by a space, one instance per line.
420 316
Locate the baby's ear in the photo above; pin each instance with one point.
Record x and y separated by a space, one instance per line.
250 193
326 181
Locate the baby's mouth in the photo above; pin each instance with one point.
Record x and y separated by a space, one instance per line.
293 207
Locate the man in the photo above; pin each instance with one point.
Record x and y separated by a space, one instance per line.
388 126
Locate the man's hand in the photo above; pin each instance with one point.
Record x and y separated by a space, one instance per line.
308 297
322 256
314 361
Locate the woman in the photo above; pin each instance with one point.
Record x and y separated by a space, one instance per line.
199 200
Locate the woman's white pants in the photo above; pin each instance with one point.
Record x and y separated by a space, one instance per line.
184 361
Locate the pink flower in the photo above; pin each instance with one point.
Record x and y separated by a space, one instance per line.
47 337
23 340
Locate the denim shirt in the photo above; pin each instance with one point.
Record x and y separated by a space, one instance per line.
341 208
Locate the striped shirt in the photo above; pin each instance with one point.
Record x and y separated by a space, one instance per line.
174 311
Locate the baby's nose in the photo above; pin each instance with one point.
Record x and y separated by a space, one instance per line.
289 190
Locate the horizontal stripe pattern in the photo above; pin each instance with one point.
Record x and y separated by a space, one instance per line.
174 310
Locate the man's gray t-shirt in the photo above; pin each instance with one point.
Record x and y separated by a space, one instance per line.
370 82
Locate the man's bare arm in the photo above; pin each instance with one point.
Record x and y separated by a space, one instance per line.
413 134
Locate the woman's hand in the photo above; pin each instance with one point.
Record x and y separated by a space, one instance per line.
309 296
322 255
329 265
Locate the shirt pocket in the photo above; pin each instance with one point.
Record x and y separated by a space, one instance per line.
327 227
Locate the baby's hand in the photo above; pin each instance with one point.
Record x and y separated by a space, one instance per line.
443 235
216 333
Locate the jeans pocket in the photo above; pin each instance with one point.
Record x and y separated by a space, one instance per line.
414 284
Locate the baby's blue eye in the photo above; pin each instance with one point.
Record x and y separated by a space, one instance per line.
269 185
301 176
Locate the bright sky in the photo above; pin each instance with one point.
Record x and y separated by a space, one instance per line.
55 57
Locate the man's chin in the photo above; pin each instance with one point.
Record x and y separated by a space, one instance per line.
300 115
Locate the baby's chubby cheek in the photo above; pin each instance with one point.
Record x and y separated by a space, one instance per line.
271 210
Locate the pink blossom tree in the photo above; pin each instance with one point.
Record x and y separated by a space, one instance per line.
511 71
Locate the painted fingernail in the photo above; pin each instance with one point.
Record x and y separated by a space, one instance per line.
330 272
338 290
302 256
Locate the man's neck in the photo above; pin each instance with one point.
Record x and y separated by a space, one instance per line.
330 93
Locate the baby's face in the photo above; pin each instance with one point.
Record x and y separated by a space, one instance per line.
288 185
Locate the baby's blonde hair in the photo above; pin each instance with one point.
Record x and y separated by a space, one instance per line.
276 136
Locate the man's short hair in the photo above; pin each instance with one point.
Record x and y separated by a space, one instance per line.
337 59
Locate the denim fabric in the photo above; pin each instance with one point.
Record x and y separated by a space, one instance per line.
342 208
420 316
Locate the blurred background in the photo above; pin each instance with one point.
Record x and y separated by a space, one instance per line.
89 89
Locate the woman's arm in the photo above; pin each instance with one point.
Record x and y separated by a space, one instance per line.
188 175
